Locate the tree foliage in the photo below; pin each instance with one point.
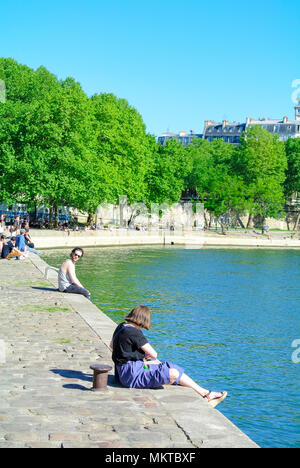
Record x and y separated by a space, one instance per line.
292 181
60 147
166 174
122 146
261 162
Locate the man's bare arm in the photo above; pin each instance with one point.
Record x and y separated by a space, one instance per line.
72 274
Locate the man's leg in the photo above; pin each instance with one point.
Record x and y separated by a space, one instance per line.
30 249
73 289
13 253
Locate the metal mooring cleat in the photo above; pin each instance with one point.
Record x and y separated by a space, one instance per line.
100 377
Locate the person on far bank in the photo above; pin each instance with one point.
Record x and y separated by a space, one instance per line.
131 351
67 279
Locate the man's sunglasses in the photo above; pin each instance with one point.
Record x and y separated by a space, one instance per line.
77 255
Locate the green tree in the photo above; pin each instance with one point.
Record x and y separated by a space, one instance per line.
201 168
292 182
213 180
167 172
261 162
122 147
47 150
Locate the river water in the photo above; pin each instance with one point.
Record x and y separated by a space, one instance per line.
228 316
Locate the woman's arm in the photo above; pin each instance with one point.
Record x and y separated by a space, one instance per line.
150 352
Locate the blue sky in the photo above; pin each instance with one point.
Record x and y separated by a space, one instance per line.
178 63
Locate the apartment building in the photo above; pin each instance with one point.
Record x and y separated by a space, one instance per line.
231 132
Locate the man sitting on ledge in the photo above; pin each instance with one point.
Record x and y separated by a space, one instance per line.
67 279
9 250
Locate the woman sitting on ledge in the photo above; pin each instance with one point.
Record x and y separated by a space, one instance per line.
130 348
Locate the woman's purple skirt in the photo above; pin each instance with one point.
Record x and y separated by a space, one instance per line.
133 375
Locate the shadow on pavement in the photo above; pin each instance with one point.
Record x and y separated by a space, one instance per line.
73 374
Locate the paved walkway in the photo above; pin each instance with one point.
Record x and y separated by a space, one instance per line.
51 339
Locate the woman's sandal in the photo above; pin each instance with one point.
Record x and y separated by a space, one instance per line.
215 401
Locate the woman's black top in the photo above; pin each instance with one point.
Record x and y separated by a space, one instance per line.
127 341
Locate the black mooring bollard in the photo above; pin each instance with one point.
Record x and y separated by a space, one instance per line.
100 377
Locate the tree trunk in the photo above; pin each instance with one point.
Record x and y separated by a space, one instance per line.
240 221
263 225
250 219
297 222
205 220
51 217
90 218
55 217
134 214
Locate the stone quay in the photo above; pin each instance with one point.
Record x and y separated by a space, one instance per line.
48 341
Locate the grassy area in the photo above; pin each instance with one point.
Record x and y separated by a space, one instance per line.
32 283
49 309
63 341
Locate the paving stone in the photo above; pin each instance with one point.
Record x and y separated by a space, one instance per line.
22 437
67 436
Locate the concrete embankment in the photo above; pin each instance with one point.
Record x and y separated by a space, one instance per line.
188 239
49 340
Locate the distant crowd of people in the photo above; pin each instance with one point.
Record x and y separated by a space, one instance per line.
15 240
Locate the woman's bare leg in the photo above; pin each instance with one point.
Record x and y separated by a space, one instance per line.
186 381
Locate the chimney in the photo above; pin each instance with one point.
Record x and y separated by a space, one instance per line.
297 110
224 123
285 119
